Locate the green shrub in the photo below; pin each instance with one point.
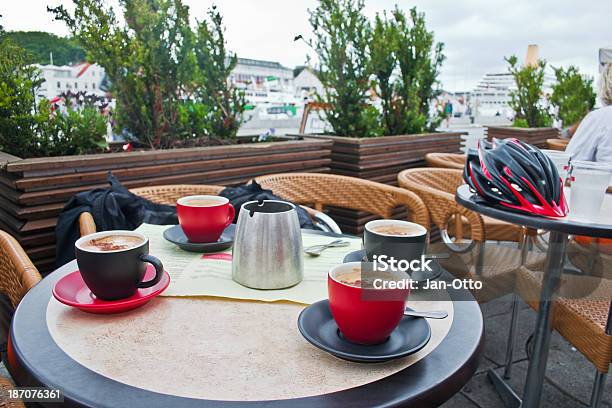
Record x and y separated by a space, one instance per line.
526 99
225 102
149 60
193 120
342 35
573 95
384 64
74 132
162 73
395 56
419 60
31 130
19 118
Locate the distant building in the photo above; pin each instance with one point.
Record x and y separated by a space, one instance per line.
262 75
307 84
74 78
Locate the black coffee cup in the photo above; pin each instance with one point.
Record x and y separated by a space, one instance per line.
116 274
401 247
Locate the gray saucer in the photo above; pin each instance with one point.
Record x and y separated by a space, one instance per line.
176 235
318 326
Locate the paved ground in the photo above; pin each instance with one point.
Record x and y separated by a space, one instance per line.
569 376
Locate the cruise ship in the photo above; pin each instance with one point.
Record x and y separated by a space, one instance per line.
491 96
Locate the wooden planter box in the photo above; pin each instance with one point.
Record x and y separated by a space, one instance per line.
534 136
381 159
33 191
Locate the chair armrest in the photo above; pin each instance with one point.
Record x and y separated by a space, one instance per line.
87 225
322 220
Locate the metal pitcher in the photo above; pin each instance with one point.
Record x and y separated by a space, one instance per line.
267 251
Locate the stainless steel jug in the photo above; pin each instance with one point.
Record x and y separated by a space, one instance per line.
267 252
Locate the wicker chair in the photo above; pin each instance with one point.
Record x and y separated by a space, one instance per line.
445 160
158 194
557 144
320 190
17 276
170 193
582 314
437 189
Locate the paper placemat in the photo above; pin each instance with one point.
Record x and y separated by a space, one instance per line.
195 274
222 349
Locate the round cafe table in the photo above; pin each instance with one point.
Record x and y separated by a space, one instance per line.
36 359
599 226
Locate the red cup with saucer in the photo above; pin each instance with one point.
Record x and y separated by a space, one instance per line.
71 290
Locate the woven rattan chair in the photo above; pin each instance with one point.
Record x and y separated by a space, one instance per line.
17 276
557 144
445 160
582 314
169 194
158 194
321 190
497 265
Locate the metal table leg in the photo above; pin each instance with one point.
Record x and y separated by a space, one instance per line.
543 328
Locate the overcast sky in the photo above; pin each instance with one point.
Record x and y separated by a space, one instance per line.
477 33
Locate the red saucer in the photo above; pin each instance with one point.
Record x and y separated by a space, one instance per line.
72 291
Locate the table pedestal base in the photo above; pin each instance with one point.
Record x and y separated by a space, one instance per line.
505 392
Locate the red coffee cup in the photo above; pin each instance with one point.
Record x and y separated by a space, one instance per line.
364 315
203 217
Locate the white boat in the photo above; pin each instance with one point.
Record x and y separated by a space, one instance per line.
491 96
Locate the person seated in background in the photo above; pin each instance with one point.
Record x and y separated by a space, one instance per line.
593 138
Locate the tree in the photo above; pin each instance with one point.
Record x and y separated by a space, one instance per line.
526 100
225 101
342 35
40 44
31 130
19 116
573 95
383 64
149 61
419 60
395 56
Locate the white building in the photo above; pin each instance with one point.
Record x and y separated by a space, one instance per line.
74 78
262 75
307 84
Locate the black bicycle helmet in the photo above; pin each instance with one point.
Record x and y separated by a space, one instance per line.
516 176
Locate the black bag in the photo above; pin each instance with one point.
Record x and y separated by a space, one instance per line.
113 208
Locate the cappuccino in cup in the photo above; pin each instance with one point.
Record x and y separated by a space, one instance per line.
204 217
397 229
113 263
112 243
201 202
356 278
364 315
394 239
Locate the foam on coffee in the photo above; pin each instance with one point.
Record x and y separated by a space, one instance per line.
201 202
396 229
115 242
354 277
